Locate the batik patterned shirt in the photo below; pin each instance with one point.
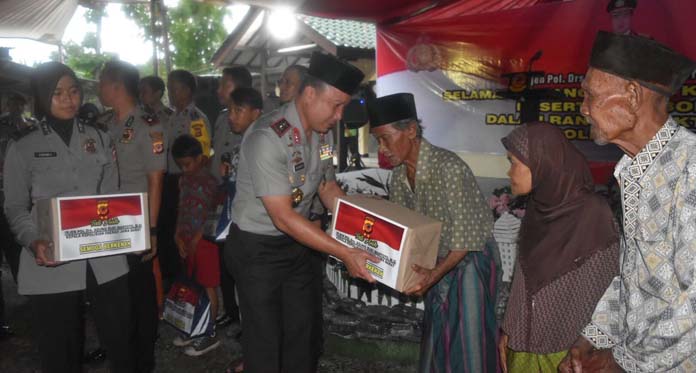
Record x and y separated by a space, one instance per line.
198 196
647 316
446 190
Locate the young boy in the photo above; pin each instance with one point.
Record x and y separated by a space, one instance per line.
197 197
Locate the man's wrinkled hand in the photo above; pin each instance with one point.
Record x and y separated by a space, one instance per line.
427 280
582 357
43 253
181 246
502 350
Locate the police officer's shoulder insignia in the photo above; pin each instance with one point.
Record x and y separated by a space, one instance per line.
157 142
106 116
24 131
280 127
102 120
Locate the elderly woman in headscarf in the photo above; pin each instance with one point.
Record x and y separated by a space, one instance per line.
567 252
459 327
65 157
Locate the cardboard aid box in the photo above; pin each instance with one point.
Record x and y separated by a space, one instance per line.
400 237
93 226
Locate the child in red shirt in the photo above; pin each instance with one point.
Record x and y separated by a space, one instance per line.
197 199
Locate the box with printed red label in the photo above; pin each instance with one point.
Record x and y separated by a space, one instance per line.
400 237
93 226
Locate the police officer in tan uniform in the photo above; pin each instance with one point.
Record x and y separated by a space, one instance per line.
285 160
151 91
65 157
139 139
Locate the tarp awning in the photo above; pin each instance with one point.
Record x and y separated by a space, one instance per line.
42 20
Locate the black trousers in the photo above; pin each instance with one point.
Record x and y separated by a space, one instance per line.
144 319
170 263
277 285
11 250
59 325
229 301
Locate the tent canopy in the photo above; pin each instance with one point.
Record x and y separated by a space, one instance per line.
46 20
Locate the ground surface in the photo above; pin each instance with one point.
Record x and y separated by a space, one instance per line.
18 354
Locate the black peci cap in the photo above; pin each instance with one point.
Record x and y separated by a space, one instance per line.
335 72
642 59
390 109
620 4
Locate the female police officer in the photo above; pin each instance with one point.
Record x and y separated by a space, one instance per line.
65 157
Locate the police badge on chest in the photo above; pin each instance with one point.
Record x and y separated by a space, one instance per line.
127 135
90 146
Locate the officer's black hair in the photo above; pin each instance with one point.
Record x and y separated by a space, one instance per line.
184 77
310 81
186 146
155 83
240 75
16 97
122 72
301 71
247 97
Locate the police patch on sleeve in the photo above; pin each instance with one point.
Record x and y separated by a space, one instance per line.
281 127
157 142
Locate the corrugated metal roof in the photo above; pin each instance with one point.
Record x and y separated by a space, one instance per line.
343 33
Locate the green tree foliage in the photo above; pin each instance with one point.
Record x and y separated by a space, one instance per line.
86 58
196 30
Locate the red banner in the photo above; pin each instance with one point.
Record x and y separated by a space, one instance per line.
458 63
353 221
76 213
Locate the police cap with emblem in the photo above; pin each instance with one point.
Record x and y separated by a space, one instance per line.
644 60
339 74
391 108
621 4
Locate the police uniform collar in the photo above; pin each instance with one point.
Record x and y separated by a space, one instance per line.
45 128
188 109
132 114
191 107
292 116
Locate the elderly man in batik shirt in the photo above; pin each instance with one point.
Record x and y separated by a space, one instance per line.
460 330
646 320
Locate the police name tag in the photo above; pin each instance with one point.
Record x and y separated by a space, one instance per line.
325 152
45 154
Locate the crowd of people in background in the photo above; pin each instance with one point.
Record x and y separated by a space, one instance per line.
589 293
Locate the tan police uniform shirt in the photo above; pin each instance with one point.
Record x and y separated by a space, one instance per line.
277 158
39 166
140 145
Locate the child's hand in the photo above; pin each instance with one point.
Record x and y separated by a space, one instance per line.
181 246
192 244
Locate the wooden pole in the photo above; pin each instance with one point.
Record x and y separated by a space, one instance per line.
165 37
153 27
